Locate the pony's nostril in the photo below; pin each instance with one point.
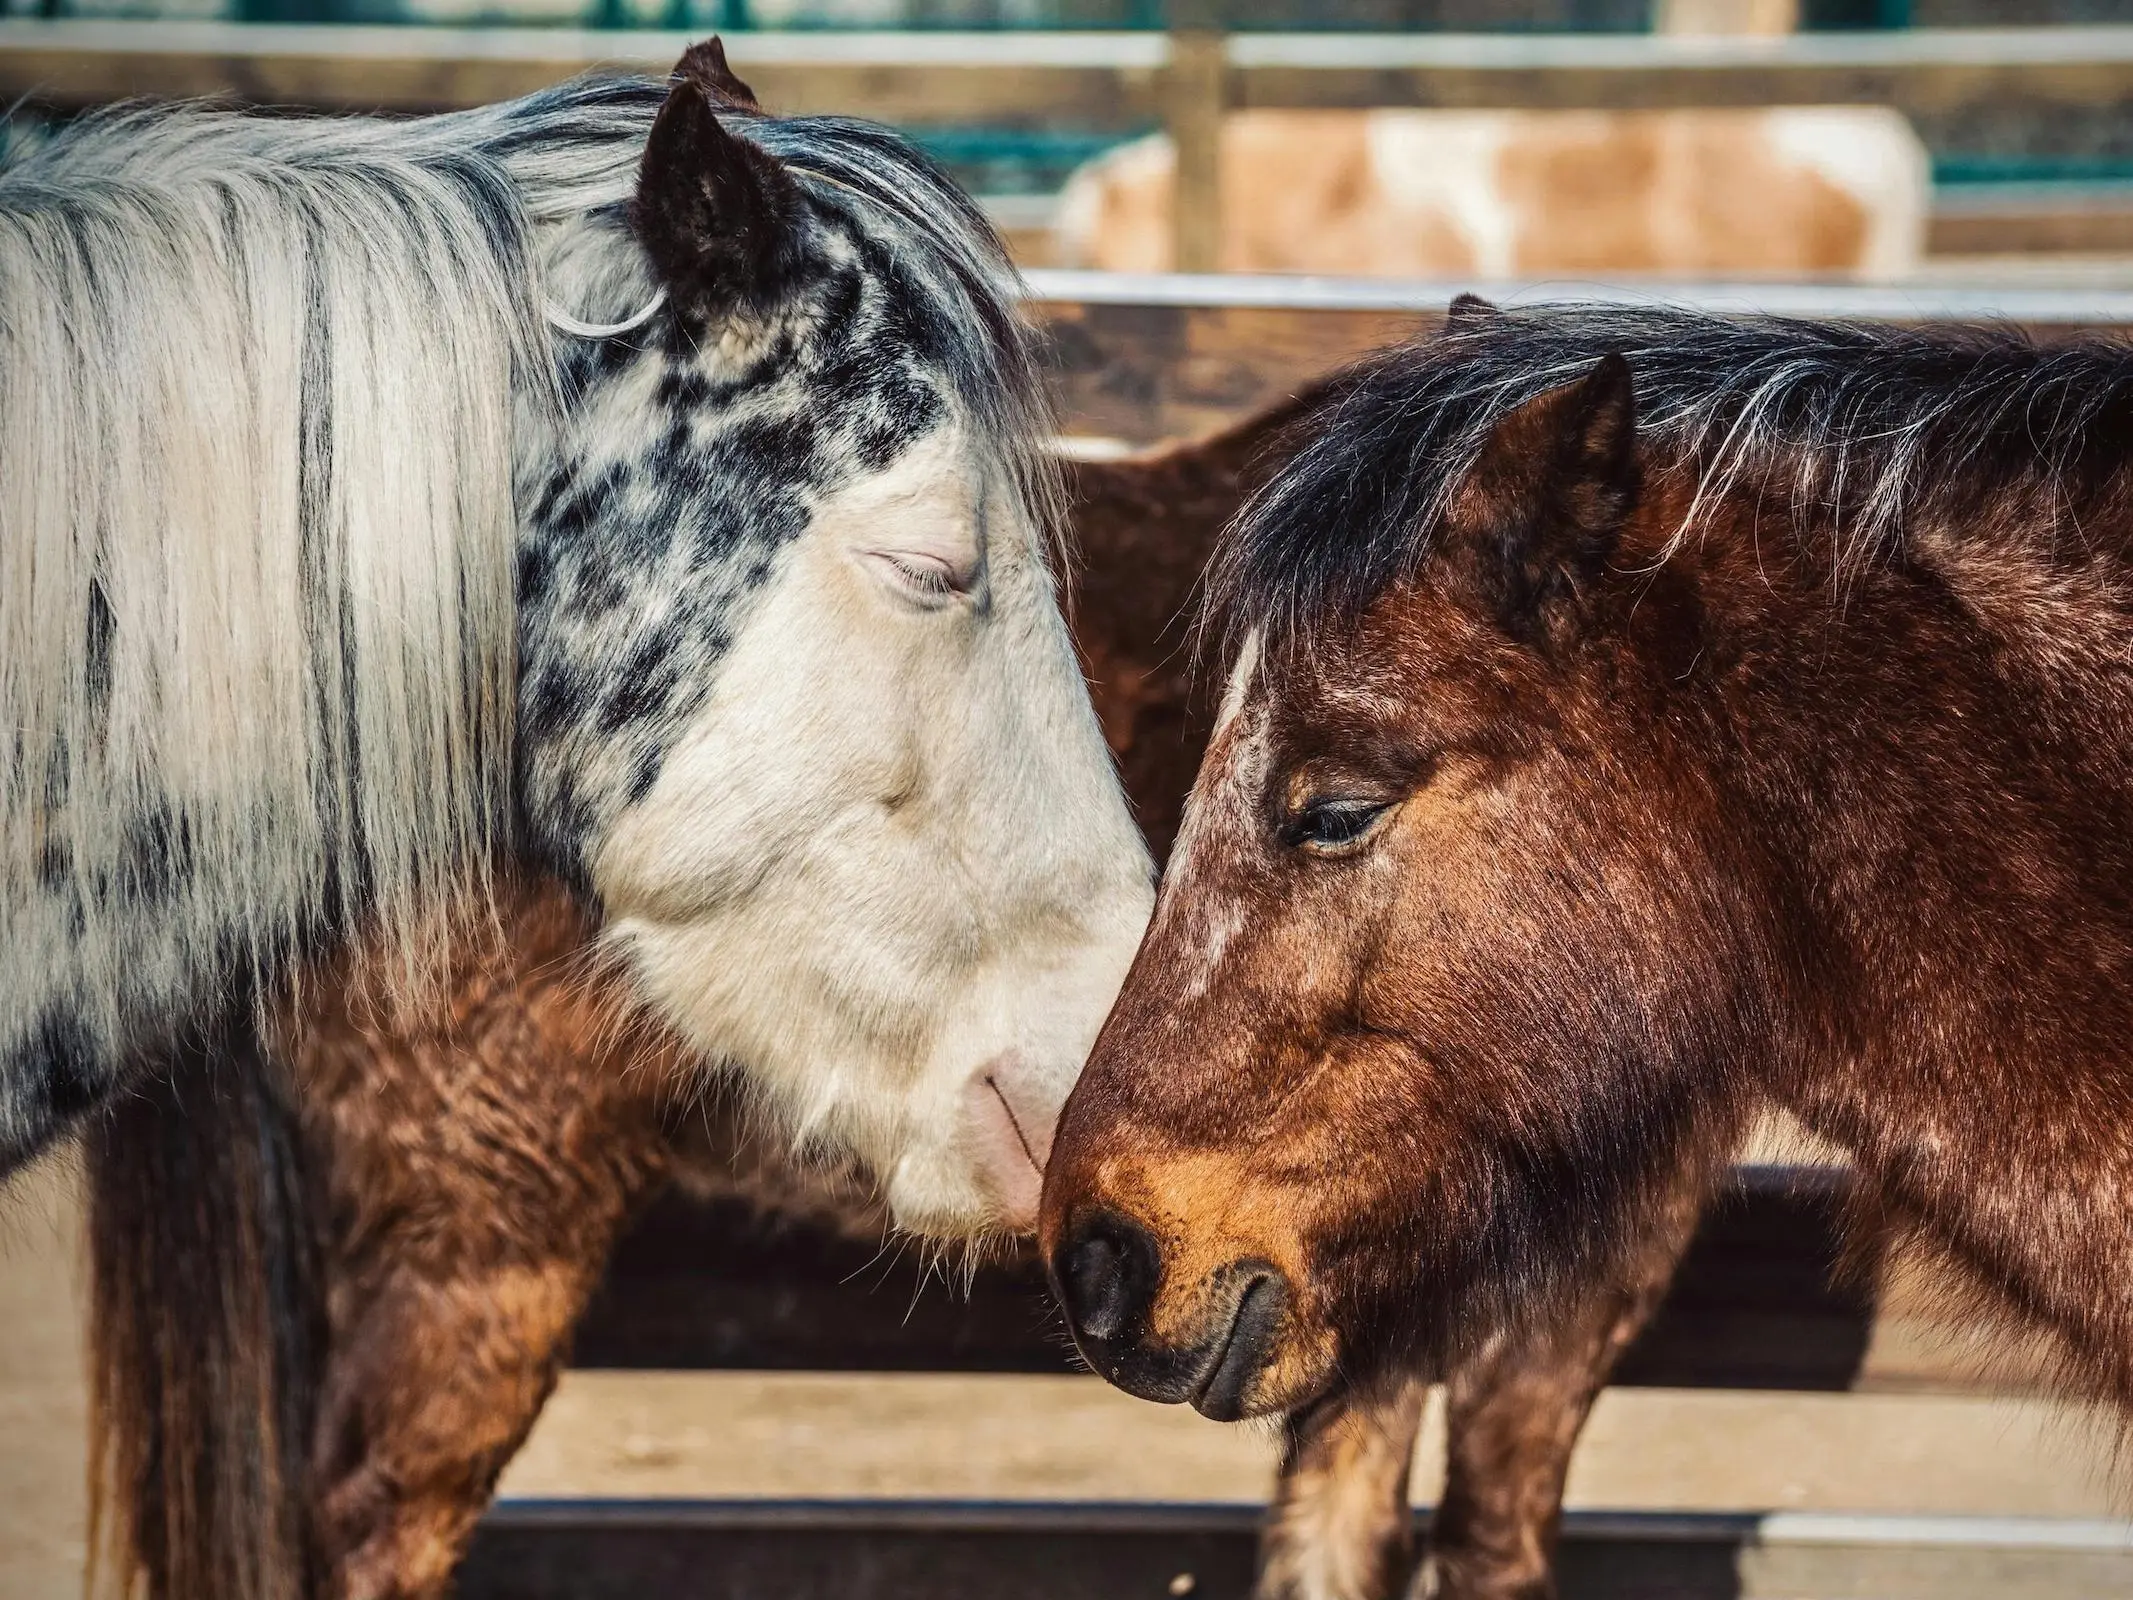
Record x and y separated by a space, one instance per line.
1107 1275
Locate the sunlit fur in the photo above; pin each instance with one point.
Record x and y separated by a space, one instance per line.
332 571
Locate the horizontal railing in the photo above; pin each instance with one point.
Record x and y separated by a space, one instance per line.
890 1550
1091 81
1143 357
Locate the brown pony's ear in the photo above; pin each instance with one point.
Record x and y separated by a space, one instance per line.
1467 310
719 217
1537 517
705 66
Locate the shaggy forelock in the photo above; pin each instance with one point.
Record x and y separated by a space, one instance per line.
1857 422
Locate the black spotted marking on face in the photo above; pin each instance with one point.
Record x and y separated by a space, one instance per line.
901 410
649 763
676 497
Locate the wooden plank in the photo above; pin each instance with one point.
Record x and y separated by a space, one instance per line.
1195 95
1925 72
1148 372
1095 80
1143 357
712 1287
891 1551
838 1553
2027 219
669 1435
1092 80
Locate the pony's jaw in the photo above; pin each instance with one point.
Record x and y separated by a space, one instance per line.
890 857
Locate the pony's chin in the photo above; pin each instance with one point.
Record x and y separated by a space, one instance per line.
943 1197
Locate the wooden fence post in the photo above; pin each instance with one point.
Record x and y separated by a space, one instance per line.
1764 17
1195 94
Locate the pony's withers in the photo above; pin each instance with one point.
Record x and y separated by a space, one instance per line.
1636 718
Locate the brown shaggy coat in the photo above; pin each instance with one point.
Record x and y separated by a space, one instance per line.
1640 718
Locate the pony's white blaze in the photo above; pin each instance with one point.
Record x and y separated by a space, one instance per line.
888 871
1240 746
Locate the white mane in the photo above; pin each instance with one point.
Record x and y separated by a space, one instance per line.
257 386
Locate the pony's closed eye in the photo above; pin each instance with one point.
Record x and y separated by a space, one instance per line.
924 577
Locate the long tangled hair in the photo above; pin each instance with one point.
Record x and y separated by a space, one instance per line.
257 387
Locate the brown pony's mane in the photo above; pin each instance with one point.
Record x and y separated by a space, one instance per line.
1842 417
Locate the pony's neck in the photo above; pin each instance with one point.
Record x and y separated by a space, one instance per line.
1935 754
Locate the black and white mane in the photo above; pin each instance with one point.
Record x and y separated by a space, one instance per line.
1867 422
334 567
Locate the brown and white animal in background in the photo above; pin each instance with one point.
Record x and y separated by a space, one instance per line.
1808 191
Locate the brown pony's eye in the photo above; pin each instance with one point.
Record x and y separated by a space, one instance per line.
1327 827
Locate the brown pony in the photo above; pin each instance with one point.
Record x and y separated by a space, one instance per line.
1638 718
332 1296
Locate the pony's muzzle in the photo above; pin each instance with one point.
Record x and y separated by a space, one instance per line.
1009 1138
1108 1275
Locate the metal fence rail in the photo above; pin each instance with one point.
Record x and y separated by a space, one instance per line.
1087 79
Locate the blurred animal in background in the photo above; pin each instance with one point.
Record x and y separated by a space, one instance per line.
1810 191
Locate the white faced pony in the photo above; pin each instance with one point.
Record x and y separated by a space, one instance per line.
620 481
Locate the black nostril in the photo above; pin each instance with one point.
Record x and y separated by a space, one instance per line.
1107 1272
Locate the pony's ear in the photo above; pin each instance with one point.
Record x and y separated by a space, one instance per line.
1538 516
705 66
719 217
1467 311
